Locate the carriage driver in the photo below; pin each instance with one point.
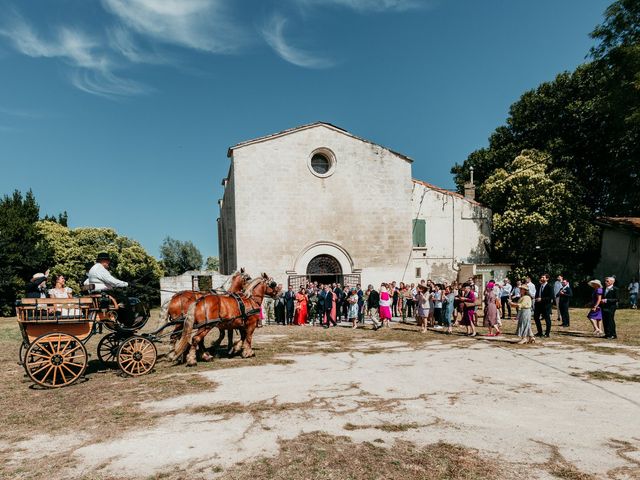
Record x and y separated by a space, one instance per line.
100 277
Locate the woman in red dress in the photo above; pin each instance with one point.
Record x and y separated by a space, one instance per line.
301 307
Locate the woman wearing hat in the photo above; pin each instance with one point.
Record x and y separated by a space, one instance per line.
595 314
524 316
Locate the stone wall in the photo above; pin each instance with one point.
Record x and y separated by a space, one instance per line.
456 231
227 226
169 286
619 256
285 214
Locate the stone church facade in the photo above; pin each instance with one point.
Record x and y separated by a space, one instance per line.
316 202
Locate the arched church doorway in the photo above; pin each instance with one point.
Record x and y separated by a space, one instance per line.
325 263
324 269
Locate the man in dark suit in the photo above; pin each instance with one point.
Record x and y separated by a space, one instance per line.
373 304
322 294
328 305
542 305
609 305
564 296
360 303
289 302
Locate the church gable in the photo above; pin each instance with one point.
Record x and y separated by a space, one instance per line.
316 125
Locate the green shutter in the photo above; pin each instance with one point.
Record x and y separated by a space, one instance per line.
419 233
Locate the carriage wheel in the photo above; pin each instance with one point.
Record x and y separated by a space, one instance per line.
137 356
108 350
55 360
23 348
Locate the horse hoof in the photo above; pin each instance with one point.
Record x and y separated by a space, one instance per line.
206 357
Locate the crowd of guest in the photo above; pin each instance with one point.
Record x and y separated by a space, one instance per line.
443 306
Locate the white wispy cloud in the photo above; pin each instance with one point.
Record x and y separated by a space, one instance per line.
144 32
369 5
198 24
122 41
92 66
273 33
106 84
74 46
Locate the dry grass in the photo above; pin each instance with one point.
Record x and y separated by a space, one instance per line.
107 399
106 404
385 427
608 376
320 456
559 467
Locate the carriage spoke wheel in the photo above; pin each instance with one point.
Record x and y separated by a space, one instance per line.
137 356
55 360
108 350
23 349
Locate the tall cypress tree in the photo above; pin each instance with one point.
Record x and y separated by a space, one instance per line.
23 251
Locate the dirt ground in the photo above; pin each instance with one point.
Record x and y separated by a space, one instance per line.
339 403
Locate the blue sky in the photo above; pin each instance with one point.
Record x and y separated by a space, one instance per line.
121 111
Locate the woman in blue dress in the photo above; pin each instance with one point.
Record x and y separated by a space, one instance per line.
595 313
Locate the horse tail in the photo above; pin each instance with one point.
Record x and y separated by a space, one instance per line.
164 312
187 328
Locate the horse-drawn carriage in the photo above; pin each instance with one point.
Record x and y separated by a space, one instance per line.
56 330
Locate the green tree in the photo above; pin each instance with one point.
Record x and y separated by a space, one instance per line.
62 218
621 28
178 256
73 248
22 249
540 221
212 264
587 120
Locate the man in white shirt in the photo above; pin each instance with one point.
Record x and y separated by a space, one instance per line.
557 286
505 294
100 277
634 289
532 287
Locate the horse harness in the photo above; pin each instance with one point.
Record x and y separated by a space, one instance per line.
244 313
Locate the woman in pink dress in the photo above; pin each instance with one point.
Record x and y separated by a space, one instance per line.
385 305
334 296
301 307
468 300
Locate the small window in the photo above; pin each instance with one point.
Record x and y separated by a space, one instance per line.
320 163
202 283
418 272
419 233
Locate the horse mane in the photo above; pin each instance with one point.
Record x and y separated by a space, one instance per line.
251 285
227 282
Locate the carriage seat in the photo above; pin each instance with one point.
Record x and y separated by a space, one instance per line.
54 309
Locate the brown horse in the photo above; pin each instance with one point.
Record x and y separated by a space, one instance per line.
226 313
176 308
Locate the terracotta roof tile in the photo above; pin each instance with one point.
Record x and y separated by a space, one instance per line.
632 223
447 192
